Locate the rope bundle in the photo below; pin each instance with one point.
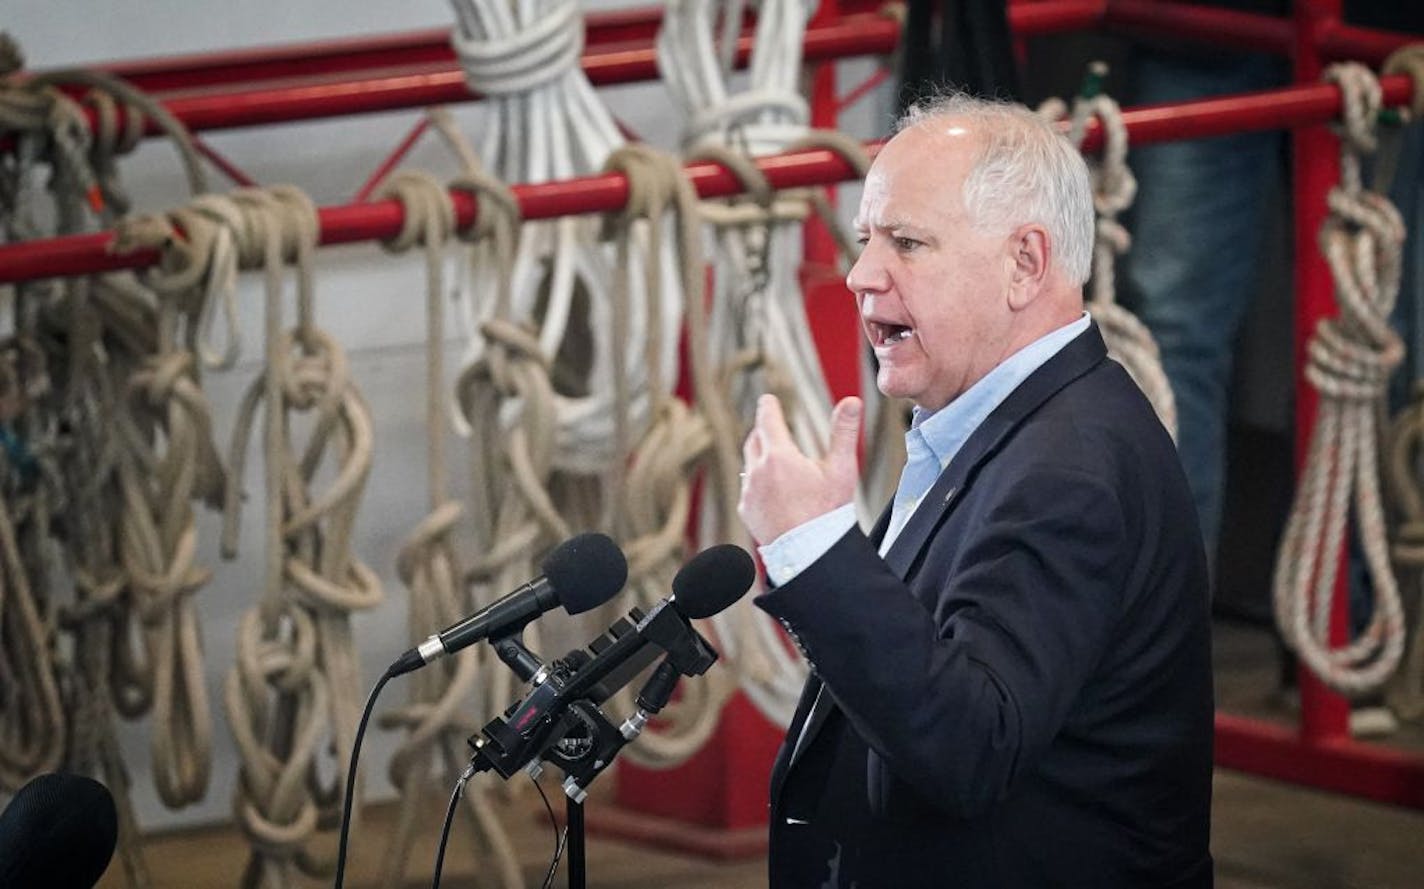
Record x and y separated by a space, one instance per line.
294 692
1114 187
167 460
682 440
1350 359
759 334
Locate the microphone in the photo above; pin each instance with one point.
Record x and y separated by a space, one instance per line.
581 573
712 581
566 693
59 831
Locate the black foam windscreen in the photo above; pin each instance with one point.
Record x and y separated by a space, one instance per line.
712 580
586 571
58 832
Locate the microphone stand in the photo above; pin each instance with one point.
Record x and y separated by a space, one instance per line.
559 720
577 863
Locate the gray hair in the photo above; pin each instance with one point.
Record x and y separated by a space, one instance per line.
1026 171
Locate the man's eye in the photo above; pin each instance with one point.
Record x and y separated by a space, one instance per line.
862 240
906 243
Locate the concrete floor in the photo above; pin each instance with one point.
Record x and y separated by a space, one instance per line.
1266 835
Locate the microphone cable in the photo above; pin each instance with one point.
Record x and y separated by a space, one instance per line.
455 796
350 794
560 836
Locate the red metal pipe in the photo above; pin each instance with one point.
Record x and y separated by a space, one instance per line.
1338 40
1289 107
344 56
1324 715
1182 21
1293 106
1337 764
351 223
425 74
435 84
432 46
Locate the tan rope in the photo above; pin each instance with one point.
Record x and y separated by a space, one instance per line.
435 720
681 440
1350 359
295 690
168 461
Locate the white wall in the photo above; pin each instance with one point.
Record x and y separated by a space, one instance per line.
370 301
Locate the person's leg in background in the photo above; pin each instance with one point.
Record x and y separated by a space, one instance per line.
1196 228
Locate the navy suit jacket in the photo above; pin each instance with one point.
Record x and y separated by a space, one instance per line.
1019 694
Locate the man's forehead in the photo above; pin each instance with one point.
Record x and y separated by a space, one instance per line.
913 182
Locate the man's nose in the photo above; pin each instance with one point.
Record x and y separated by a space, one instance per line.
867 274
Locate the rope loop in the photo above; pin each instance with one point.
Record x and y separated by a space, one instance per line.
1349 361
1409 60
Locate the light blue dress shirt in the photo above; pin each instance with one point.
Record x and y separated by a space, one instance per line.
942 433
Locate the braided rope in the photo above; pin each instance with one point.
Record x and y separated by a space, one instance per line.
1114 187
1349 361
294 693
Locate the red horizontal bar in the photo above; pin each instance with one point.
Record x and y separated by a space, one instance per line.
432 46
412 48
426 74
1383 774
1286 108
1054 16
1182 21
1273 109
86 254
1368 45
312 99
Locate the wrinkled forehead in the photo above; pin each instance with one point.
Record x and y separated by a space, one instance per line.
919 174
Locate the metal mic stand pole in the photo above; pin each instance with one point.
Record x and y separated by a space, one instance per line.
577 875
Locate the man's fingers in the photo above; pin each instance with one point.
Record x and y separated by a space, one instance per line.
770 422
845 431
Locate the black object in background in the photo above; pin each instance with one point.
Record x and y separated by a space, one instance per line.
59 832
970 50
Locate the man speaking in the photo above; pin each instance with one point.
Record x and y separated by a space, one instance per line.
1011 674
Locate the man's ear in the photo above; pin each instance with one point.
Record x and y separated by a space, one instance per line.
1029 255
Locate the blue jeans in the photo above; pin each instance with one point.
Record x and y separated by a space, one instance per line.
1196 230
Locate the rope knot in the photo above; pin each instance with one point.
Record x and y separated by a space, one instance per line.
532 56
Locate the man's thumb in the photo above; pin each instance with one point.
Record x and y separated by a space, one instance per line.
845 431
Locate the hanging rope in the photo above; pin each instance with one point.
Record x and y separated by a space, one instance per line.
1350 359
295 691
546 123
167 461
759 333
436 719
1114 187
682 440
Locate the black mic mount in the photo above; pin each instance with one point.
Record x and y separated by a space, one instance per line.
560 721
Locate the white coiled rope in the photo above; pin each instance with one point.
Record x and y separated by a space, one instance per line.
545 123
1349 361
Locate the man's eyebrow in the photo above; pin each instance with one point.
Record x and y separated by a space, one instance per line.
891 224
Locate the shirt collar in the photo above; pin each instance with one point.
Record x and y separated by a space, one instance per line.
946 429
